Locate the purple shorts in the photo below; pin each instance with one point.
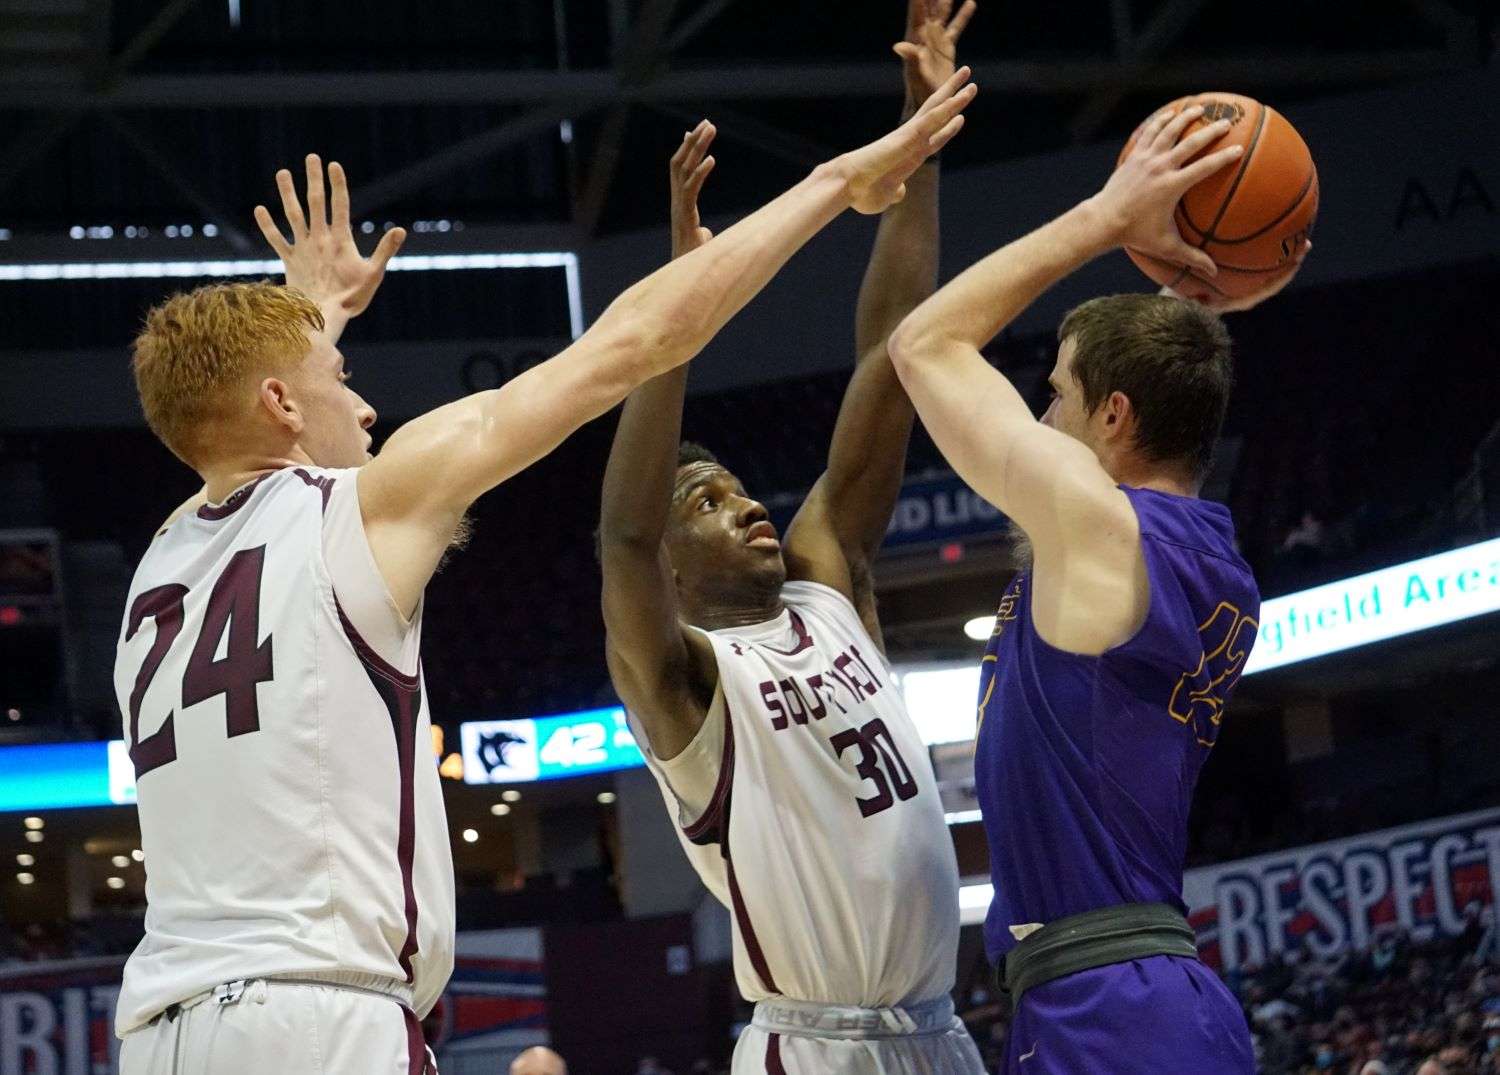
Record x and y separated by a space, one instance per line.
1164 1015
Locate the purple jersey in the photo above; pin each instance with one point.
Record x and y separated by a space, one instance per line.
1085 766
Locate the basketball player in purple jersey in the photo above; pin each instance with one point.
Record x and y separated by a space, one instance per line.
753 676
300 903
1117 644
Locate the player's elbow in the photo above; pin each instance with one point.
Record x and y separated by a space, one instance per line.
912 346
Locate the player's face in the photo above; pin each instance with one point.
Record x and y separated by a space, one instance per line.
1066 412
335 419
719 539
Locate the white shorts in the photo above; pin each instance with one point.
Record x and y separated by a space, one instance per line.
281 1027
791 1038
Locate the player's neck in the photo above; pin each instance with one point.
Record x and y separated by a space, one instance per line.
1151 476
225 476
744 611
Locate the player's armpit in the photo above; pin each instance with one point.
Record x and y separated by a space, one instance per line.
670 696
814 551
1089 588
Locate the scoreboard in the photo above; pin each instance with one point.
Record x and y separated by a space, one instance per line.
545 748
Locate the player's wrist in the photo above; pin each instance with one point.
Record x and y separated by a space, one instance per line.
1101 221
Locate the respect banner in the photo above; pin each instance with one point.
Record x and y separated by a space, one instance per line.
1328 898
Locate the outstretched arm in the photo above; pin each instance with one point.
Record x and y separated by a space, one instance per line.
416 491
840 526
322 260
664 674
1036 475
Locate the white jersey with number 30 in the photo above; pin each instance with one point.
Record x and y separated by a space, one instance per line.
808 805
290 811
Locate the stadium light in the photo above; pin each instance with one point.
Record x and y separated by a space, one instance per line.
163 270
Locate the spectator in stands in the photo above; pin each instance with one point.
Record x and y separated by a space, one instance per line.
538 1060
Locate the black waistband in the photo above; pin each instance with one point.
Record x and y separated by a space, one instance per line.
1095 939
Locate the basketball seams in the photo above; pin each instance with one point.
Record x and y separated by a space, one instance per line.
1246 206
1307 185
1245 158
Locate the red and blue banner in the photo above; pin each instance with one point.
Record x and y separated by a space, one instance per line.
58 1018
1426 880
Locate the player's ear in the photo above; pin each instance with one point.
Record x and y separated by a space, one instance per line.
1118 414
277 400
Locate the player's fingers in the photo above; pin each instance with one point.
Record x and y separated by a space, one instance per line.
1172 130
290 206
682 150
389 243
1203 168
700 173
1198 141
944 136
338 188
944 93
1151 128
697 150
961 20
272 233
1195 259
693 148
943 114
317 210
906 50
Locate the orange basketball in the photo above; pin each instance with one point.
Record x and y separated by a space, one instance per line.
1255 215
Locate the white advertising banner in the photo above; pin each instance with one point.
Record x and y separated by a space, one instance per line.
1330 897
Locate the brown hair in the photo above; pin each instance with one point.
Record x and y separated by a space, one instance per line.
1170 357
196 347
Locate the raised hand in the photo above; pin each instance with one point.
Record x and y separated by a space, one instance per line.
1138 201
877 173
322 261
688 170
929 51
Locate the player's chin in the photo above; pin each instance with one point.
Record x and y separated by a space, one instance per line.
768 565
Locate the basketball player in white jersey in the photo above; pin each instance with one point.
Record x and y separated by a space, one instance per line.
754 677
300 894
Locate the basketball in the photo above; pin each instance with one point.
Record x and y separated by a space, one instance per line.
1255 215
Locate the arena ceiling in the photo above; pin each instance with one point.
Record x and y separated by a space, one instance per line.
562 112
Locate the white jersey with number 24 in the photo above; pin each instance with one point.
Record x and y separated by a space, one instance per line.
290 811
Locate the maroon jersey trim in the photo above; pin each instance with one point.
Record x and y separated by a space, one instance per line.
774 1066
416 1044
373 661
235 501
322 482
804 636
708 829
747 930
402 696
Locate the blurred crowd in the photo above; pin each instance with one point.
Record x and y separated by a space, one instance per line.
1401 1007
